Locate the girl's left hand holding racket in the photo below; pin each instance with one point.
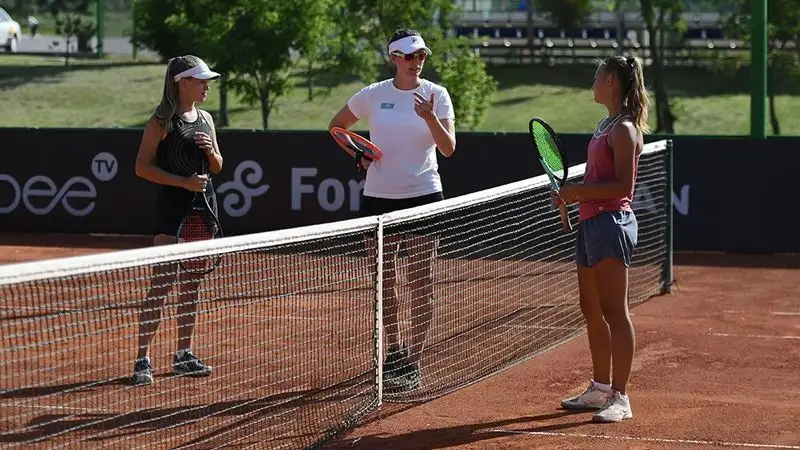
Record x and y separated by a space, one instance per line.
196 183
201 223
568 193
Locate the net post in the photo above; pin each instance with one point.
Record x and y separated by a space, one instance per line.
667 275
378 332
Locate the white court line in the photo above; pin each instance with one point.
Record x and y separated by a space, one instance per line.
772 313
40 308
755 336
71 408
647 439
256 316
538 327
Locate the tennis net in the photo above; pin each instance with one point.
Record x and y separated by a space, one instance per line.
291 320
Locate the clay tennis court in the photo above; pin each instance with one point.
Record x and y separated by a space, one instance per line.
718 363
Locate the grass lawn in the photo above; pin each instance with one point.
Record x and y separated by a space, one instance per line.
118 92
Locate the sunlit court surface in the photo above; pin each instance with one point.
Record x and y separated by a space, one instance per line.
716 366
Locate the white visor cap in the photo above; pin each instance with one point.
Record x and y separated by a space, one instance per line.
200 71
408 45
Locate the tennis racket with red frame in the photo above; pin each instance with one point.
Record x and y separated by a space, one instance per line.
200 224
551 157
356 145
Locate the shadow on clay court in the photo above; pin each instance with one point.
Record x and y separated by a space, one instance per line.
763 261
113 425
458 435
42 391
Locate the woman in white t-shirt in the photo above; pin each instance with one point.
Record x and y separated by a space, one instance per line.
409 118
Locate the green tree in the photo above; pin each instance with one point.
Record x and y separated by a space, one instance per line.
783 27
152 30
364 27
464 75
661 17
256 43
197 25
566 14
260 44
179 27
72 23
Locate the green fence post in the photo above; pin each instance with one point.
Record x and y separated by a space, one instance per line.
758 70
134 39
100 28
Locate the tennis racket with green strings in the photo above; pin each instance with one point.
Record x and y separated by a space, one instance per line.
552 159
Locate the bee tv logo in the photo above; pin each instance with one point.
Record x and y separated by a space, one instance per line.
40 195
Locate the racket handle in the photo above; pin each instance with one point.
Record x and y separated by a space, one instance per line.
565 223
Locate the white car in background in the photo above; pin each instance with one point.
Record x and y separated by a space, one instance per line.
10 32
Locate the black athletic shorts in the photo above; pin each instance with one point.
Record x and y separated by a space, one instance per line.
430 226
173 204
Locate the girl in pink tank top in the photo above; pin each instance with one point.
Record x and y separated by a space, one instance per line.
601 168
607 235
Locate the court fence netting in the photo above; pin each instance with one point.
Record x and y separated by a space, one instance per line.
291 320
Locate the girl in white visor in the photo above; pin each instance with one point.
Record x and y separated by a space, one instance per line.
178 142
409 118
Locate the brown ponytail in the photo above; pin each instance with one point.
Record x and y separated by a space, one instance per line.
631 78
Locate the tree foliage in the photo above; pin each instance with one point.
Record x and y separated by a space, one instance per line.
661 17
154 32
565 14
256 43
260 45
179 27
783 26
454 64
73 23
263 44
464 74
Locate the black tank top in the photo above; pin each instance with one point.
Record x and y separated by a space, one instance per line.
178 154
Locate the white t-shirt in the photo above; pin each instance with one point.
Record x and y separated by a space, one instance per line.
409 166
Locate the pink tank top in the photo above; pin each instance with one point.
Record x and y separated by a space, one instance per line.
600 168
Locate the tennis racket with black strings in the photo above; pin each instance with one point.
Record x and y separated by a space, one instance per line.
357 146
200 224
551 157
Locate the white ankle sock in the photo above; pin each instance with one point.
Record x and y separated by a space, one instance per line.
601 386
180 353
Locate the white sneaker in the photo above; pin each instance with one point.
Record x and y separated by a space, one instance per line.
616 409
592 398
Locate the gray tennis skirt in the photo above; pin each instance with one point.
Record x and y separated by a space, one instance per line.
610 234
